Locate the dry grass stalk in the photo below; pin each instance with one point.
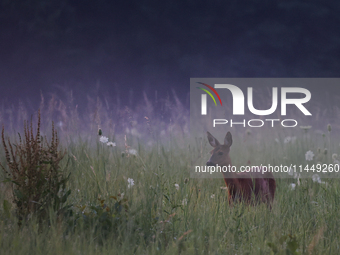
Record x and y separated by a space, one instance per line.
316 239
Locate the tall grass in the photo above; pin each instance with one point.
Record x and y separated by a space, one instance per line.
153 216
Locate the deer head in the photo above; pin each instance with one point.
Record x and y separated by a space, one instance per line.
220 153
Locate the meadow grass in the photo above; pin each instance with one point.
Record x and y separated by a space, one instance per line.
153 216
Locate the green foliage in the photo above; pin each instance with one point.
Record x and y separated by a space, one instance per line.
106 219
287 244
155 216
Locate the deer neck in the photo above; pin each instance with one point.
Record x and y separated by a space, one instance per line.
229 177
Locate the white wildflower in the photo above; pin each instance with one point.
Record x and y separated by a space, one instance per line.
104 139
291 171
212 196
292 186
132 151
185 201
316 178
60 124
177 186
111 144
309 155
131 182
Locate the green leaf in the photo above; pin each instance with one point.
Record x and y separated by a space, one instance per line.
175 206
283 239
7 208
167 197
240 215
64 198
273 247
18 194
118 207
96 209
293 245
10 180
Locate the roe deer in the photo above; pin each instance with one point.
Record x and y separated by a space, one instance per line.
241 186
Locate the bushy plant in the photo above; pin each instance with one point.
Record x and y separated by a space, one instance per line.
33 169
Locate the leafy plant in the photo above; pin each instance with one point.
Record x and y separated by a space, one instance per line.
33 169
106 217
288 244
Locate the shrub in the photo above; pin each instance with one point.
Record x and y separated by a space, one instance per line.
33 170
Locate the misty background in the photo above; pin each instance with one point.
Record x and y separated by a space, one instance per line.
119 48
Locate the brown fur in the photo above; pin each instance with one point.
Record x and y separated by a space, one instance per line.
250 188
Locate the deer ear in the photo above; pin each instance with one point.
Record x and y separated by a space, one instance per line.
228 140
212 140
